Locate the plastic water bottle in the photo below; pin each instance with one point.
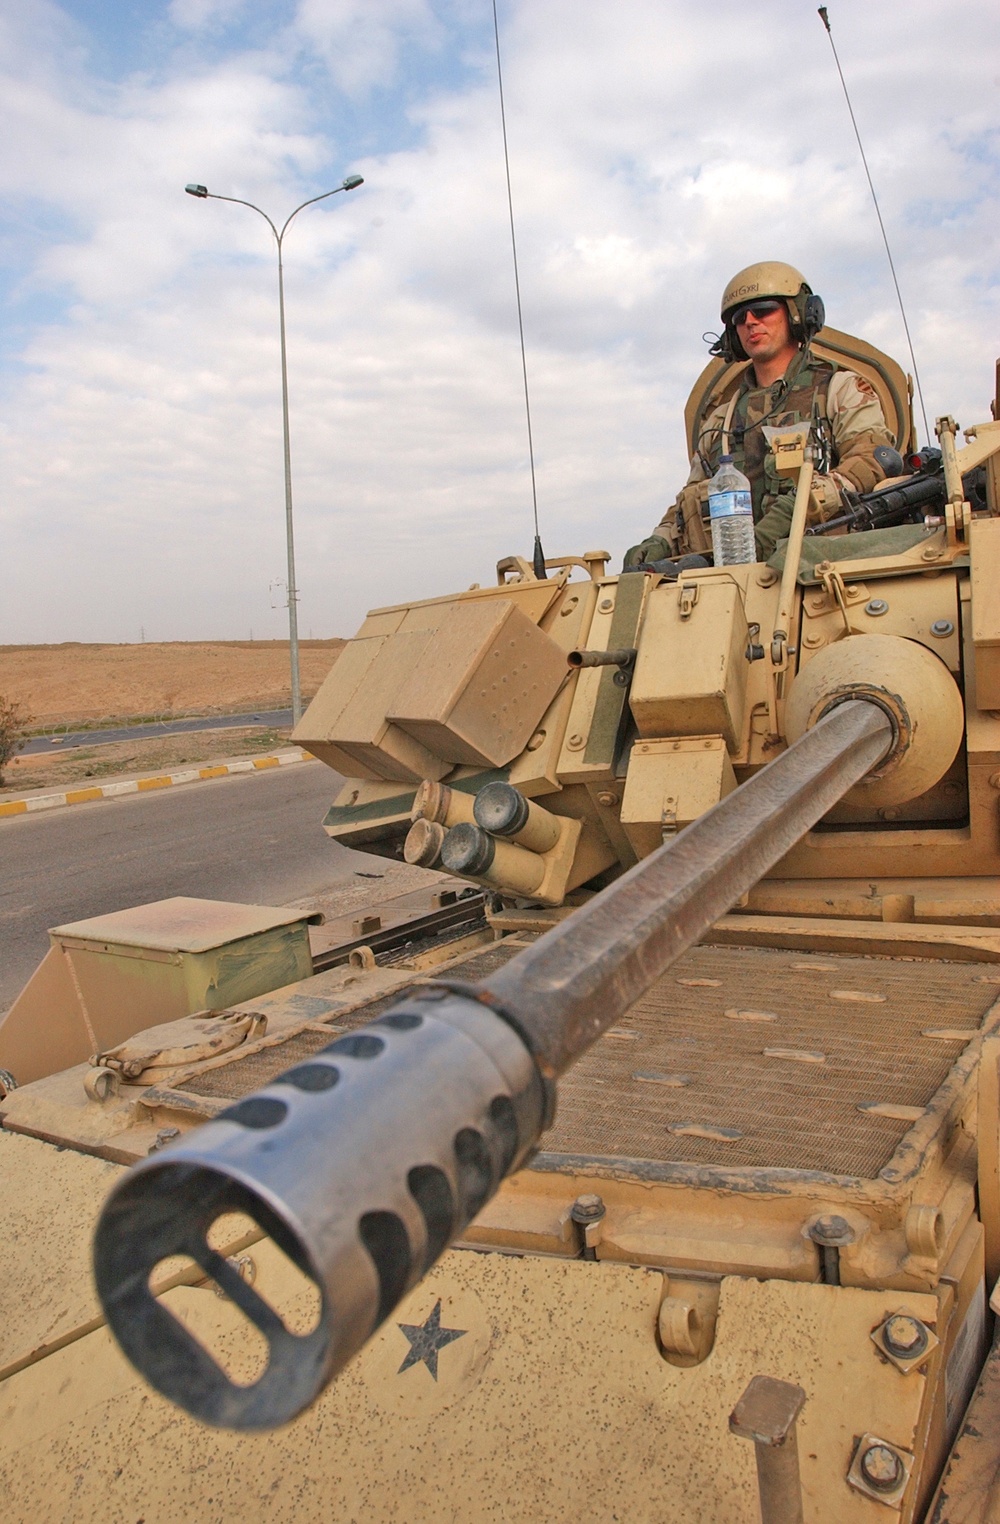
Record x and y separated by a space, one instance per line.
731 513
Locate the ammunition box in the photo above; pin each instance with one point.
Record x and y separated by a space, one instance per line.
691 671
671 783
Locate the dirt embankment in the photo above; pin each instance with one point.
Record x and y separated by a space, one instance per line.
61 769
73 684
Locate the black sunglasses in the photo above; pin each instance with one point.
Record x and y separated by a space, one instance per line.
757 310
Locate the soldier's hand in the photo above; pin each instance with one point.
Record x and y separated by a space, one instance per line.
655 548
826 497
774 525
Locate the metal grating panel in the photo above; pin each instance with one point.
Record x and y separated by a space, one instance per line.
679 1060
233 1081
780 1112
242 1075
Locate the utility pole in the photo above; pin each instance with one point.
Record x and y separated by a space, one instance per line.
202 193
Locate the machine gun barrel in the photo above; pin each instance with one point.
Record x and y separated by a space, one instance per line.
365 1162
892 505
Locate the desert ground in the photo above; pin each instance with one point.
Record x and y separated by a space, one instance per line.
73 684
69 685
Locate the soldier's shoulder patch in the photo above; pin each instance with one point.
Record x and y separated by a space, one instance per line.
865 387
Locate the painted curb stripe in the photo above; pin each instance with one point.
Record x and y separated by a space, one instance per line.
143 785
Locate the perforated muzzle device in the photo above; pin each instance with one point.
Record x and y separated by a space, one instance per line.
360 1171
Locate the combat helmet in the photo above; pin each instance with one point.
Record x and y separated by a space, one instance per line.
770 278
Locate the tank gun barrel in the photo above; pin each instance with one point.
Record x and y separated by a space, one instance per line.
579 979
365 1162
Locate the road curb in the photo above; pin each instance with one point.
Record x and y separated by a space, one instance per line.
122 786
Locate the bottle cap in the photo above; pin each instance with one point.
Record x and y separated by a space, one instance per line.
726 460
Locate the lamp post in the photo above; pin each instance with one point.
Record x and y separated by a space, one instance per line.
202 192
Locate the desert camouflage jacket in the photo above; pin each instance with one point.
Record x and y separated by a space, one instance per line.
844 402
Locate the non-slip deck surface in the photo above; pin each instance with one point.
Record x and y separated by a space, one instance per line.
781 1093
740 1057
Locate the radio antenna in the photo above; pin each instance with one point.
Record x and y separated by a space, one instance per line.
538 558
885 238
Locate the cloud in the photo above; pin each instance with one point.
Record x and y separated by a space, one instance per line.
360 43
654 151
198 15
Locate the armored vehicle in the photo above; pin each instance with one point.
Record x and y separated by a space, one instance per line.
652 1172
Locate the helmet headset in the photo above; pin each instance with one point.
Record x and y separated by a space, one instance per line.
769 281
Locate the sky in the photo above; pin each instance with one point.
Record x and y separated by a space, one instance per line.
656 147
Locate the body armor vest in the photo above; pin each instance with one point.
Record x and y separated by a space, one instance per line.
793 399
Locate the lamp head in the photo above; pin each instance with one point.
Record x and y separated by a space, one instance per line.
352 182
197 190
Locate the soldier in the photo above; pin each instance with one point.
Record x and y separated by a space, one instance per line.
769 316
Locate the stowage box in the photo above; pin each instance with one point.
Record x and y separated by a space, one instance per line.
691 671
671 783
468 685
493 675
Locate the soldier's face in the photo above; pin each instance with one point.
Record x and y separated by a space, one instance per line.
765 336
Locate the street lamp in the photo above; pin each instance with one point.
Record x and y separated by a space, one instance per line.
202 193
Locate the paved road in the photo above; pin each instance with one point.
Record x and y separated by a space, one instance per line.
254 838
160 728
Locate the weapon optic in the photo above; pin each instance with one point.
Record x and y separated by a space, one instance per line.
364 1163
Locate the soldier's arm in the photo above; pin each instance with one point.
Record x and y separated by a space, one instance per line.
858 429
682 526
680 529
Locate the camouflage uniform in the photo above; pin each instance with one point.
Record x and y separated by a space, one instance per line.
844 400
